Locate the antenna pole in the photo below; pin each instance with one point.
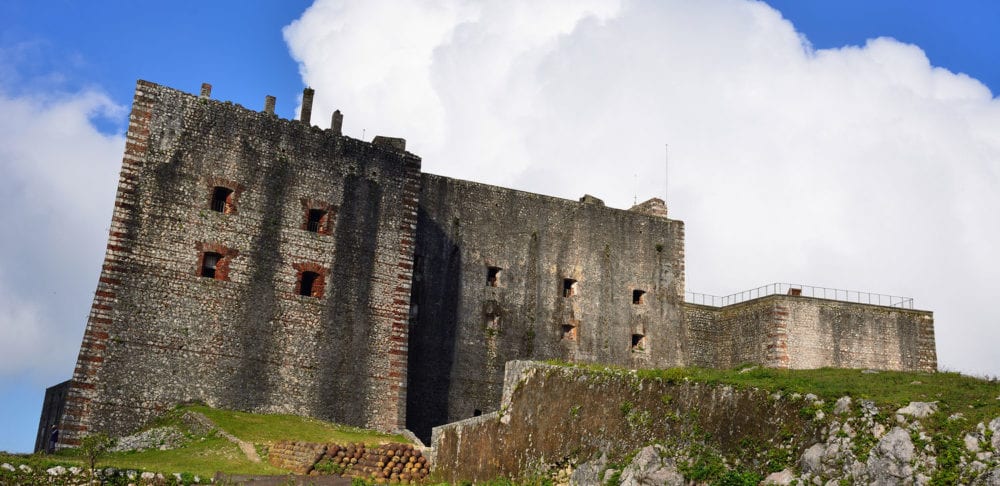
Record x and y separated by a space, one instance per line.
666 172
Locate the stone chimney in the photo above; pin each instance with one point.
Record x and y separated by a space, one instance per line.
307 105
269 104
206 90
337 123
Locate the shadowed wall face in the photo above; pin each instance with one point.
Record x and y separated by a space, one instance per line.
223 216
504 274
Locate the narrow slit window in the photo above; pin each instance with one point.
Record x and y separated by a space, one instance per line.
638 296
638 342
316 220
493 324
493 276
222 199
476 412
210 264
307 286
568 287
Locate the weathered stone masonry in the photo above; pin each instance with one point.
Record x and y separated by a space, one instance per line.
161 333
264 264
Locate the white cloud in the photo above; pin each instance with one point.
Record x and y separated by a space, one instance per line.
860 167
58 186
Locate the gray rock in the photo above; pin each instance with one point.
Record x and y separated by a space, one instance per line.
7 467
989 478
889 462
868 408
650 468
162 438
918 409
995 427
842 406
869 372
56 471
147 475
812 459
971 443
25 468
782 478
811 397
589 472
75 470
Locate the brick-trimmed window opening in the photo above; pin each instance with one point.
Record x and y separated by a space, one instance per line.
493 276
222 199
638 296
213 260
210 263
223 195
315 220
307 282
311 280
318 216
569 287
638 342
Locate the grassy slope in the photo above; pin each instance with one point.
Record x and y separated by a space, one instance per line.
205 455
978 400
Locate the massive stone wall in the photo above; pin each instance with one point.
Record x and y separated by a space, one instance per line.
784 331
503 274
555 415
162 332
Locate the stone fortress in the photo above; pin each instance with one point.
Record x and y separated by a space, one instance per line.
268 265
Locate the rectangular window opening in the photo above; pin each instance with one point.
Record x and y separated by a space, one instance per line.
493 324
493 276
569 332
569 287
638 342
638 297
221 199
308 283
476 412
316 219
209 264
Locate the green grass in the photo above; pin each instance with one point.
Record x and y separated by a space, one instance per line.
270 428
205 455
975 398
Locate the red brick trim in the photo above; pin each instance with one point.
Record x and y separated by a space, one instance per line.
232 202
319 285
325 223
222 267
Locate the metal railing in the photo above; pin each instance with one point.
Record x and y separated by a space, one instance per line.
800 290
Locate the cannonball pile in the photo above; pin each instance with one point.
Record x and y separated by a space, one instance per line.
381 464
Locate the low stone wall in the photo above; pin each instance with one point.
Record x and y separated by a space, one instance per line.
555 415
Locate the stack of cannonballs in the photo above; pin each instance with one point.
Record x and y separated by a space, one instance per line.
381 464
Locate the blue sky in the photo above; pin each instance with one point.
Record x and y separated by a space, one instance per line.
74 65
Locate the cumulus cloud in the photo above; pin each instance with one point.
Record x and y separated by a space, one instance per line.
859 167
58 186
